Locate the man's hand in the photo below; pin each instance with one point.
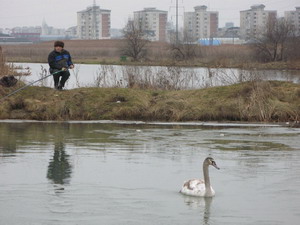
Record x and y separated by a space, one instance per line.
64 69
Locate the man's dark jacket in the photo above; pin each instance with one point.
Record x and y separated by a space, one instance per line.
58 60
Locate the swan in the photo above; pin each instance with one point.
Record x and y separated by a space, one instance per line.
201 188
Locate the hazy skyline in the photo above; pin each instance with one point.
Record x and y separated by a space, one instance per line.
63 14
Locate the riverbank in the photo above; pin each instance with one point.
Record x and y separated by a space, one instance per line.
272 101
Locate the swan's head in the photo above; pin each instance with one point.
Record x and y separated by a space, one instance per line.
212 162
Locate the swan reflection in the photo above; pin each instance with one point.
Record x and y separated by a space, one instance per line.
200 203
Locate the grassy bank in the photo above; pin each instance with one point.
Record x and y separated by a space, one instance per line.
251 101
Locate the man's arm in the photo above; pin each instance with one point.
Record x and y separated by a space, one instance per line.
70 63
52 62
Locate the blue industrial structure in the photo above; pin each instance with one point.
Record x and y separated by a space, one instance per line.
209 41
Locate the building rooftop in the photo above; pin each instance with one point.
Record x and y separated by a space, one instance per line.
151 9
200 7
95 8
258 6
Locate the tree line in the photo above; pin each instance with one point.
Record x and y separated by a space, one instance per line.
277 41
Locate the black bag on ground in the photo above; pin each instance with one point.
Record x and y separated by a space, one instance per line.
8 81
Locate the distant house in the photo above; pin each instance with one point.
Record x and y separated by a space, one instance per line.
253 20
31 34
6 39
201 23
153 22
93 23
294 18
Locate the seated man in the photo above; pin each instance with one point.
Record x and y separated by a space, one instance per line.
60 60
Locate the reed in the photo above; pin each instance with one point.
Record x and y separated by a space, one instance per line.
158 53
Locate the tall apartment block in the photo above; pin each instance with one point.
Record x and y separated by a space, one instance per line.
93 23
294 18
153 22
201 23
253 20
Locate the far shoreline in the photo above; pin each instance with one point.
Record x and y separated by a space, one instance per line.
109 52
155 123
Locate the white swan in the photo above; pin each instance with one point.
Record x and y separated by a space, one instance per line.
201 188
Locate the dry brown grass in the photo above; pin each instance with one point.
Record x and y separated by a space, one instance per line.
110 51
257 101
82 51
6 69
158 53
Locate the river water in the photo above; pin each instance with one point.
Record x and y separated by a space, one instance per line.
177 77
97 172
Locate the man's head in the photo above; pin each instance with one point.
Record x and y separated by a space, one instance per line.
59 45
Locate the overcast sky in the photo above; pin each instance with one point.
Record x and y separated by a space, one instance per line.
63 13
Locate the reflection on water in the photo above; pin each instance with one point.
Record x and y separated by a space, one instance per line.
59 169
200 203
93 173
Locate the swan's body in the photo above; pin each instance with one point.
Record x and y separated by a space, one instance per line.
196 187
201 188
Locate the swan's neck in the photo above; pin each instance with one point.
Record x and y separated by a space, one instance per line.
206 179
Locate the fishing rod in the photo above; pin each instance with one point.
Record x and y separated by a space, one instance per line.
21 88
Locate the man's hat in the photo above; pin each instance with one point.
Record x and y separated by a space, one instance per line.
59 43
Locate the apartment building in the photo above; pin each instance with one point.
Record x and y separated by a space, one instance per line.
253 20
93 23
201 23
294 18
153 22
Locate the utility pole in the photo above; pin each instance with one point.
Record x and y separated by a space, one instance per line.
94 22
176 19
176 22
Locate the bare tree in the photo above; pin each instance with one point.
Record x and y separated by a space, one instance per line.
184 49
293 49
136 42
271 42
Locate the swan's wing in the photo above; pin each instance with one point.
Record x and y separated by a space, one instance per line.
194 184
193 187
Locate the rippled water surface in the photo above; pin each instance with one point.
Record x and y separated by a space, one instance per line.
94 173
